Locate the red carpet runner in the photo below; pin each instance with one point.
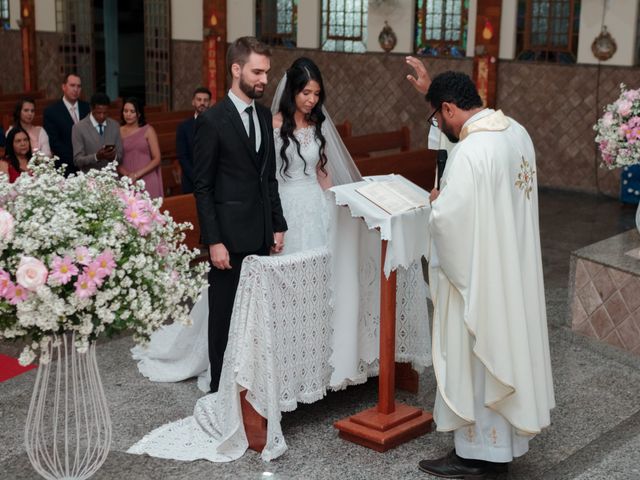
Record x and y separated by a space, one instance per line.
9 367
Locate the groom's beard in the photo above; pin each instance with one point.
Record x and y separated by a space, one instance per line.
250 91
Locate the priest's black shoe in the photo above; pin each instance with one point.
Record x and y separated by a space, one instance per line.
453 466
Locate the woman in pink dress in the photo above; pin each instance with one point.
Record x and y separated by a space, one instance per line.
141 156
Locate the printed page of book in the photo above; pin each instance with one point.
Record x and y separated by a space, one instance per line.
385 197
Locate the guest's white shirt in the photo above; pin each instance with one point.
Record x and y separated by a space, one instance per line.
95 124
72 107
241 106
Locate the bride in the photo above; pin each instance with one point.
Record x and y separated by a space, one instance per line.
310 157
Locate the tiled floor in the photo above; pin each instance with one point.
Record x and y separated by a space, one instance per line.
595 431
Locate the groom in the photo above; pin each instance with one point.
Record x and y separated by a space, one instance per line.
235 186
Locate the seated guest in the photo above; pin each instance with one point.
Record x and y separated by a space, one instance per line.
17 154
23 115
61 116
96 138
184 137
141 155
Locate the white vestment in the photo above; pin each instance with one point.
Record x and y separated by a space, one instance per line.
489 321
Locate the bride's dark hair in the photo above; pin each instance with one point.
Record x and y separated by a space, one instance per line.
301 72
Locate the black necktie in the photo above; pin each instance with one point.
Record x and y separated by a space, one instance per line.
101 129
252 127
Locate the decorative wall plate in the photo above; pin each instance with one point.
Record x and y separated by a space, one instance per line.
604 46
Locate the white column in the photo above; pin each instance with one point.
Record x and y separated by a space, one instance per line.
186 20
14 14
471 27
45 15
621 21
309 20
508 29
241 19
401 18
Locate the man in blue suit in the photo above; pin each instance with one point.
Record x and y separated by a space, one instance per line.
184 137
59 119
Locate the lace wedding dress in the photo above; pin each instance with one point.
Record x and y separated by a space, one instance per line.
303 201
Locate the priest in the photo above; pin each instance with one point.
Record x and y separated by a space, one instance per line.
490 341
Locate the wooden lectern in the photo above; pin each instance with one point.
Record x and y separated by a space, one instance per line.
390 423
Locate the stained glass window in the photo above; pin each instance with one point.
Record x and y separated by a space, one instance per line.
548 30
4 14
441 27
277 22
344 25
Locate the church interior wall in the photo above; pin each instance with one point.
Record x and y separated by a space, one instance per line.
186 66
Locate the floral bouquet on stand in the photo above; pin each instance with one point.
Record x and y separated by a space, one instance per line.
83 256
618 139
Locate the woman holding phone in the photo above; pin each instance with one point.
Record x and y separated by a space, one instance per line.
141 157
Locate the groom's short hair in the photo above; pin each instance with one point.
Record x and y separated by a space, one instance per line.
240 50
456 88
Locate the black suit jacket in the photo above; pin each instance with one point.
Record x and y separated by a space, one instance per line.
184 150
58 123
236 197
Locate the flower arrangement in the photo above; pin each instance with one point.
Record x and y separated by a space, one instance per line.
618 136
91 253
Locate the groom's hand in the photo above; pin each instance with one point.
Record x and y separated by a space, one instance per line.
219 256
421 81
278 242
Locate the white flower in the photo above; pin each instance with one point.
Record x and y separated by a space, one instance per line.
26 357
32 273
6 225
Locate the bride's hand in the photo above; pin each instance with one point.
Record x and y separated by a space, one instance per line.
421 81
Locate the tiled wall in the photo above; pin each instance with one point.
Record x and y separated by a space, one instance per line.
186 69
559 105
49 69
605 304
11 72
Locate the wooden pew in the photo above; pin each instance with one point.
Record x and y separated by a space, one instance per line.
171 179
183 209
344 129
364 145
418 166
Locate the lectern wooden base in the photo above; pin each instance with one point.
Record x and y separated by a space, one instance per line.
380 431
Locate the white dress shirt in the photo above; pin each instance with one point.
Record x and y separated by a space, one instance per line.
241 106
73 109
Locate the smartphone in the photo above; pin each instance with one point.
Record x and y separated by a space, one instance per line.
109 147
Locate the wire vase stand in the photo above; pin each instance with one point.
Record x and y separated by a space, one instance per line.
68 430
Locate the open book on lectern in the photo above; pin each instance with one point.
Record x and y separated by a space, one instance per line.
393 196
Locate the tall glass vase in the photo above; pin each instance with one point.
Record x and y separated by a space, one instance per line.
68 430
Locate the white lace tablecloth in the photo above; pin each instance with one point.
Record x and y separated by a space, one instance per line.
286 343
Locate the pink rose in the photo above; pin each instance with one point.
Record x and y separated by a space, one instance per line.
632 95
32 273
624 107
607 119
6 225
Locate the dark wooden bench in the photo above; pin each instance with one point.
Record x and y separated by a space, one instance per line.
171 178
364 145
183 209
418 166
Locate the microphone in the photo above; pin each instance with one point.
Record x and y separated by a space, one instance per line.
441 160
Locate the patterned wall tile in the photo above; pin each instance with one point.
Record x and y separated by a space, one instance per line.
49 65
605 304
186 66
11 77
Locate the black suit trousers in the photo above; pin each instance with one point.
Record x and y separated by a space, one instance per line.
222 292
